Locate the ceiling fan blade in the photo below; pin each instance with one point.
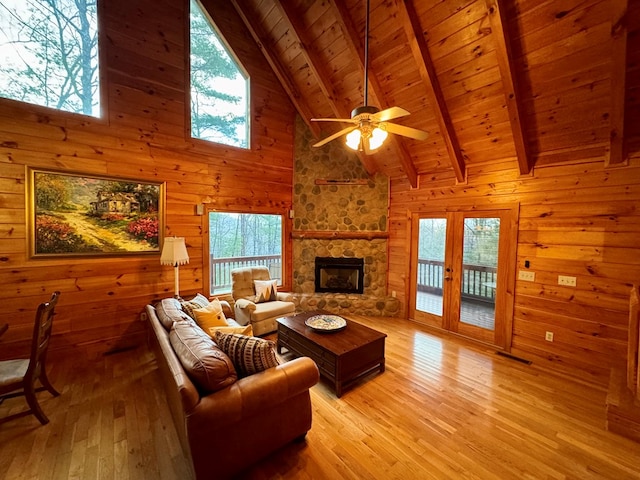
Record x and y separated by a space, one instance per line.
342 120
388 114
405 131
335 135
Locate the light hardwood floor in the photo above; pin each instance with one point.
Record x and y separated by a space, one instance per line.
442 409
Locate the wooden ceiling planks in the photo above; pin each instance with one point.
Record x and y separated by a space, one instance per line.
422 58
317 67
534 80
279 70
400 149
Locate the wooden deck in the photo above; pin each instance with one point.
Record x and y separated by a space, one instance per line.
480 314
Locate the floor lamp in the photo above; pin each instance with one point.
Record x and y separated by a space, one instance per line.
174 252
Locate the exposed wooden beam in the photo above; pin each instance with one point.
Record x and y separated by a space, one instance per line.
259 36
498 21
617 151
354 44
318 70
413 31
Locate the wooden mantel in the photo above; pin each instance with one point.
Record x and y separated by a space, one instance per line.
338 235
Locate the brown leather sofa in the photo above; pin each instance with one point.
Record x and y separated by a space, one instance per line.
225 431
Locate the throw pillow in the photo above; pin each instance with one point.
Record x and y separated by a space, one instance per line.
266 290
208 367
169 311
199 301
210 316
249 354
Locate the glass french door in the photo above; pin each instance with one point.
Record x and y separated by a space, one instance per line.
460 263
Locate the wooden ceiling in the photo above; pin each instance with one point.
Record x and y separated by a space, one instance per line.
502 83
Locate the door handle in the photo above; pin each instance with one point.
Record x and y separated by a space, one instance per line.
447 278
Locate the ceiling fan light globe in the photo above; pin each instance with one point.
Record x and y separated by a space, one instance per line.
353 139
377 138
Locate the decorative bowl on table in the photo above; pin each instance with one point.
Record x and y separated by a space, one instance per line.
326 323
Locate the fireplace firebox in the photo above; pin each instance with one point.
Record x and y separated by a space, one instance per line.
339 275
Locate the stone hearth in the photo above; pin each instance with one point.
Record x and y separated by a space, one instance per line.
330 220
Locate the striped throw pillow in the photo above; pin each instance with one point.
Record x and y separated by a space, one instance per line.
249 355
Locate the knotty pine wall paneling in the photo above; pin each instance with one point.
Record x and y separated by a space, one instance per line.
144 65
581 220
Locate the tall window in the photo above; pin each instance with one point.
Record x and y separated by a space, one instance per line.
243 240
49 54
219 86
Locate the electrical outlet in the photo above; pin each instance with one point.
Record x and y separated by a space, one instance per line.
527 276
566 281
548 336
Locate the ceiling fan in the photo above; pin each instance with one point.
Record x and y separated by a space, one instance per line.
370 126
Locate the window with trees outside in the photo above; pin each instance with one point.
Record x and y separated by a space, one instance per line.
243 240
49 54
219 86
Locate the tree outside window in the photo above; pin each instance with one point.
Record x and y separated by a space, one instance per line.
219 86
243 240
49 54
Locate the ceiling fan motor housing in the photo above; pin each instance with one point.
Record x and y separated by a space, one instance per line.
368 109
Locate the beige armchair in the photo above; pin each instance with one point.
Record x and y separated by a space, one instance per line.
261 315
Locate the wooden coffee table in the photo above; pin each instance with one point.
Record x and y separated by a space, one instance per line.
342 357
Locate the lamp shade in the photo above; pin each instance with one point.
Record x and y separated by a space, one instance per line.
174 252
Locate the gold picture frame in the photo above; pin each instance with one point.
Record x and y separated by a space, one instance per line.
75 214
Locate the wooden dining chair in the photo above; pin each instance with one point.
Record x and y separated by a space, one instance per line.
19 377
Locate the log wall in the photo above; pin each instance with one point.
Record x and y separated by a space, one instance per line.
142 135
577 219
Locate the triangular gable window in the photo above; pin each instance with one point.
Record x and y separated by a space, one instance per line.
219 86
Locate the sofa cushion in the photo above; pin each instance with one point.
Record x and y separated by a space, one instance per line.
199 301
272 309
266 290
169 311
249 354
208 366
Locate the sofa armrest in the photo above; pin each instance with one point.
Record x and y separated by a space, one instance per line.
255 394
226 309
244 309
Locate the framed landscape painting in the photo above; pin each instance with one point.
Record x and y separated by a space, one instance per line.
75 214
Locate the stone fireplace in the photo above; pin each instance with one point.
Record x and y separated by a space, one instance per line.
340 212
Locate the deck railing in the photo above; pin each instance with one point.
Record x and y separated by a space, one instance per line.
478 281
221 269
